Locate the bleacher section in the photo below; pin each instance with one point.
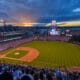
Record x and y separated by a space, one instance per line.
20 72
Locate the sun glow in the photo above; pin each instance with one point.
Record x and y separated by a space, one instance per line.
23 22
26 24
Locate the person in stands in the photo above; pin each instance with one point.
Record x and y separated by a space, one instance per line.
25 77
6 76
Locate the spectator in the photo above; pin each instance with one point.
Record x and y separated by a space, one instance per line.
25 78
6 76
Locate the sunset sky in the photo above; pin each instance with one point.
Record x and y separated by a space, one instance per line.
30 11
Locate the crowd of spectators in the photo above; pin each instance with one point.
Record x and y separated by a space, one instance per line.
75 38
54 38
22 72
13 43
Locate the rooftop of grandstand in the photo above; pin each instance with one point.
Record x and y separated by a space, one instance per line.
12 33
9 28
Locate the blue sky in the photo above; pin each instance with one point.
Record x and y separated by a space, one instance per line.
16 10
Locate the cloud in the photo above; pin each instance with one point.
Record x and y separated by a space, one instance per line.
76 10
14 10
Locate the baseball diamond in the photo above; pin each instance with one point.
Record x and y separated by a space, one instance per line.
44 53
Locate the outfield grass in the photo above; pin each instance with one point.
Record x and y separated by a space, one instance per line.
53 53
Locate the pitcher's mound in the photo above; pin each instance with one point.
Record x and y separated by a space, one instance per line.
17 53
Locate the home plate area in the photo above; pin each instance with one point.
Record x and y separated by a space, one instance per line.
23 54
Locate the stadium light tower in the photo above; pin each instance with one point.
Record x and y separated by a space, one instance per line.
2 22
54 28
54 23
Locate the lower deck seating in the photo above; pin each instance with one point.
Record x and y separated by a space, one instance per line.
20 72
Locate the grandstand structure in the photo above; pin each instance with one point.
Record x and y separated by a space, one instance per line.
9 33
13 36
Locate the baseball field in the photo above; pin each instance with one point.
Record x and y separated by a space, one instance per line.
43 54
